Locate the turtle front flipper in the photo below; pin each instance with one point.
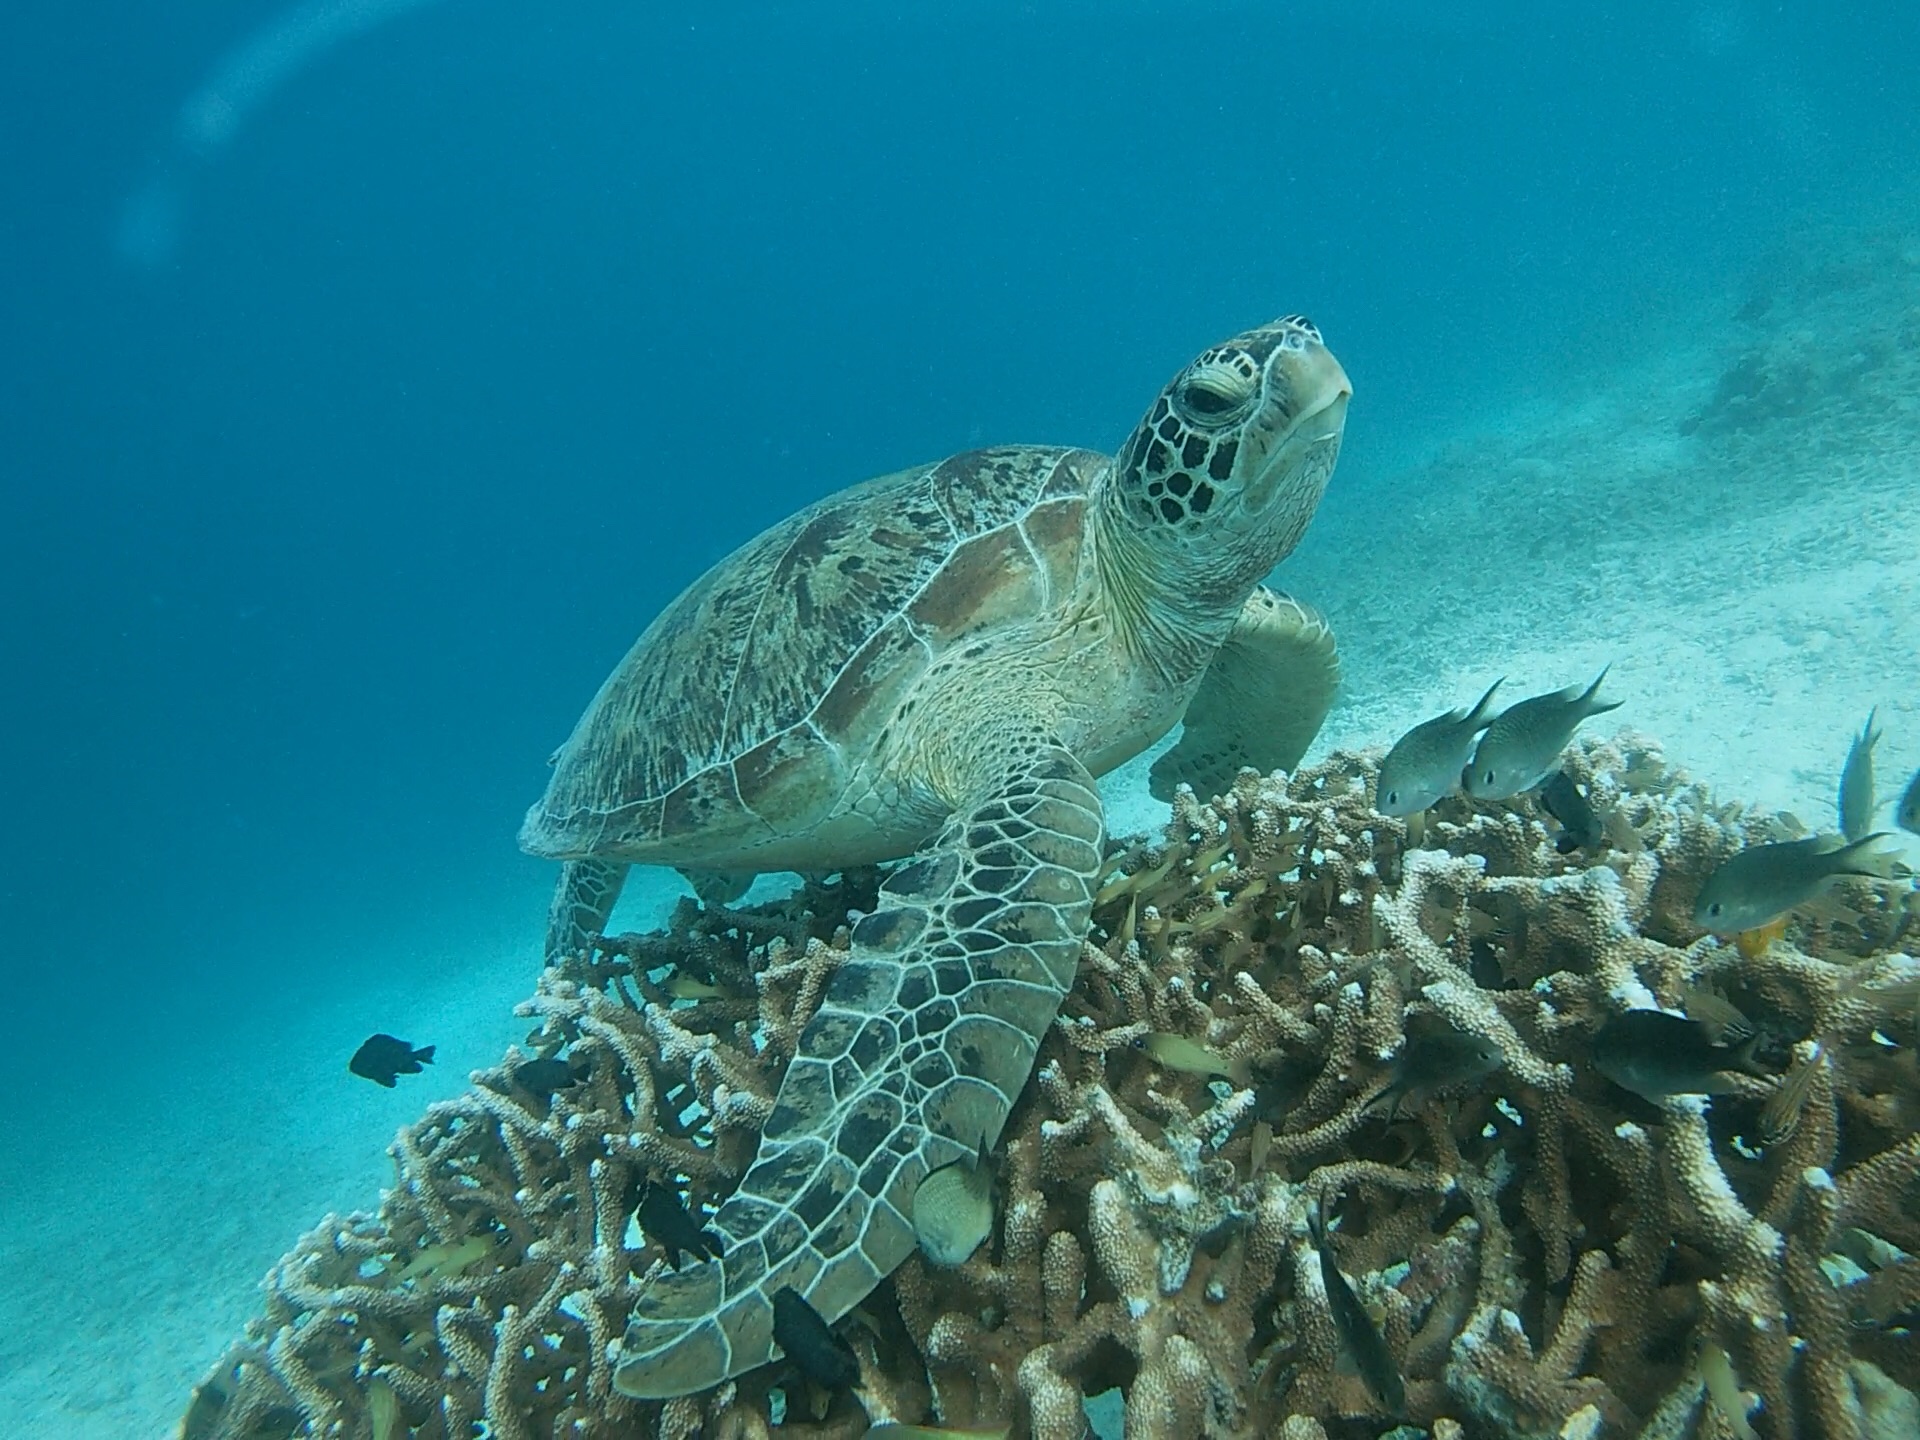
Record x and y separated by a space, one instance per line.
925 1036
1261 701
582 901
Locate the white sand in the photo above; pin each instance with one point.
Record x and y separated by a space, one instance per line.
1757 590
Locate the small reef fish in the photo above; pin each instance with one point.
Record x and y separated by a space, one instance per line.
894 1430
1725 1022
443 1261
382 1057
1522 747
1177 1052
1424 765
1716 1371
822 1355
543 1077
953 1209
1907 813
665 1219
1856 804
1764 882
1580 827
1359 1336
1658 1056
383 1409
688 987
1780 1116
1436 1059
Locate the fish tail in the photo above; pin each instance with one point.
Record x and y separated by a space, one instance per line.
1316 1225
425 1053
1865 858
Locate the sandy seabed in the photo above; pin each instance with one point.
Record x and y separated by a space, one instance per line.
1731 522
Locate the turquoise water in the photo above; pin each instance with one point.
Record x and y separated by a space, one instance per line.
373 372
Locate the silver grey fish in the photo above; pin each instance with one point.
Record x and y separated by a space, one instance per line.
1764 882
1907 814
1523 746
953 1209
1856 782
1423 767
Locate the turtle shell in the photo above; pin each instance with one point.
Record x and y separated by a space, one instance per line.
741 716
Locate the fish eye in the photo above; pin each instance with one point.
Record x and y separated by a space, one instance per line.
1714 909
1393 797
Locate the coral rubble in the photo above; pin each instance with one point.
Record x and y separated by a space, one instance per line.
1544 1254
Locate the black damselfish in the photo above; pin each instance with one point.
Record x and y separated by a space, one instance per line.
811 1343
382 1057
665 1219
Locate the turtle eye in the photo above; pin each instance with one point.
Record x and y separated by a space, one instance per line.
1215 393
1207 401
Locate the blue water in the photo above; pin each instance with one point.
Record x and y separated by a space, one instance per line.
341 454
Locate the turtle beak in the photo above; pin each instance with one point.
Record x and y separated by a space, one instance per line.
1324 390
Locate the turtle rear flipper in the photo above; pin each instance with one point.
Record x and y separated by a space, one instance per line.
1261 702
923 1039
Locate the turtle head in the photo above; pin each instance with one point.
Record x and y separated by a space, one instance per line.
1221 477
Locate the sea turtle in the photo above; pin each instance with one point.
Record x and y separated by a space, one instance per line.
937 664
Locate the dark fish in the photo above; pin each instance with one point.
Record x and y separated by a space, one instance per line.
1435 1059
822 1355
1856 804
1580 827
664 1219
1658 1056
1764 882
543 1077
383 1057
1358 1334
1907 813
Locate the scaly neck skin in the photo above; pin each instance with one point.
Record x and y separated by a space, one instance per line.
1171 607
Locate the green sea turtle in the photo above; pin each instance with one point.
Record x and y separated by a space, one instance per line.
938 663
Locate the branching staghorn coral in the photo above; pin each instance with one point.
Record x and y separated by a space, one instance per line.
1543 1253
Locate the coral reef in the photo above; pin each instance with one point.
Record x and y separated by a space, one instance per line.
1544 1254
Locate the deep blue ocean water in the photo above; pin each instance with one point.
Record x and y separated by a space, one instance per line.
348 436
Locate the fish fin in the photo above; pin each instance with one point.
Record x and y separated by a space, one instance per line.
1316 1224
1478 716
425 1054
1743 1057
387 1080
1586 700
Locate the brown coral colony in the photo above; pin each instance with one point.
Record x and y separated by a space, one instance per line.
1539 1251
